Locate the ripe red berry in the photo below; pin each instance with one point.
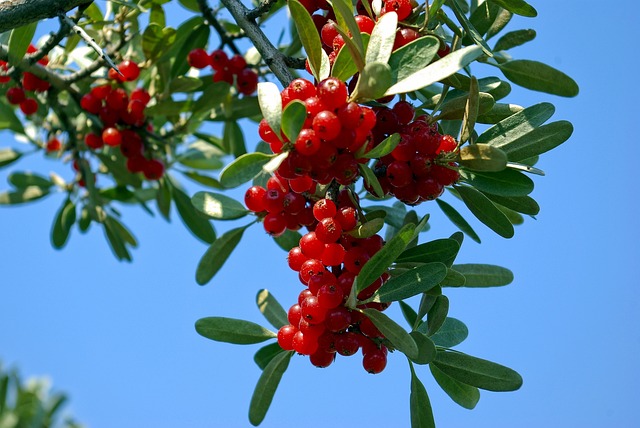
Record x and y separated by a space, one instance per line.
141 94
347 343
404 37
326 125
275 224
328 230
117 99
365 24
101 92
247 81
332 92
305 345
374 361
130 70
198 58
311 246
328 33
285 337
91 103
29 106
53 145
338 319
236 64
324 208
312 311
307 142
401 7
136 164
93 141
296 258
219 60
322 358
254 198
111 137
15 95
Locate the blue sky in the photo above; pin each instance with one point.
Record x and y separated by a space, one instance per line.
119 337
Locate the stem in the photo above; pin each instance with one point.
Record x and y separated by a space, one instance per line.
210 16
16 13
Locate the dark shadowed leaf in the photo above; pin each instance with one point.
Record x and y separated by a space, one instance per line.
64 220
217 254
397 335
288 240
504 183
477 372
452 333
420 406
486 211
409 314
367 229
231 330
195 221
267 353
514 39
266 387
521 204
465 395
439 250
308 36
371 180
271 309
233 138
437 315
519 7
457 219
426 348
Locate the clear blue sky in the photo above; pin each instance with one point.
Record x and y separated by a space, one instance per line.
119 338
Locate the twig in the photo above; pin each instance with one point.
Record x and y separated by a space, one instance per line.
87 71
210 16
264 7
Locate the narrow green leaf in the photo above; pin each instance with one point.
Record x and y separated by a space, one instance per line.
205 180
115 239
267 353
452 333
439 250
514 39
521 204
385 147
519 7
191 34
243 169
394 215
345 17
9 120
517 125
437 71
382 39
413 282
409 314
293 118
21 180
454 108
477 372
163 198
308 36
202 155
266 387
413 57
8 155
64 220
233 138
218 206
368 229
397 335
540 77
419 404
470 29
288 240
19 41
483 275
217 254
271 104
499 112
501 21
371 180
426 348
453 279
344 67
380 262
503 183
196 222
486 211
24 195
471 111
457 219
538 141
375 78
464 395
482 157
231 330
437 315
191 5
271 309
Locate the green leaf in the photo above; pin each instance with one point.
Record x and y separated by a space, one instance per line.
308 36
21 196
465 395
408 313
419 404
439 250
217 254
163 198
345 16
344 67
243 169
486 211
157 39
271 309
452 333
413 282
394 214
184 84
233 138
457 219
426 348
371 180
375 78
521 204
218 206
191 5
538 141
380 262
454 108
470 29
503 183
453 279
368 229
21 180
288 240
437 315
395 334
413 57
8 155
385 147
65 218
266 387
519 7
196 222
231 330
382 39
482 275
499 112
514 39
482 157
267 353
437 71
293 118
517 125
115 239
205 180
19 41
202 155
271 104
191 34
9 120
540 77
477 372
471 111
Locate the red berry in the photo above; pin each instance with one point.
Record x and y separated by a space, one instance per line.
332 92
132 144
365 24
305 345
328 230
404 37
153 169
301 89
141 94
219 60
111 137
90 103
324 208
117 99
375 361
130 70
198 58
401 7
53 145
29 106
254 198
404 112
275 224
136 164
247 81
322 358
311 246
307 142
296 258
328 33
311 268
294 315
338 319
15 95
330 296
93 141
312 311
101 92
285 337
326 125
347 343
354 259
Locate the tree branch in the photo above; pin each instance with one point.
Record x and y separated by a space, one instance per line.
16 13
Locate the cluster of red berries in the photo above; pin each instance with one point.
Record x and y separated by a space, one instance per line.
419 167
327 261
121 114
226 69
333 134
283 204
29 82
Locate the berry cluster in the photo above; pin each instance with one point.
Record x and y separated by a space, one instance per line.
418 168
226 69
327 261
333 134
122 113
282 203
16 95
